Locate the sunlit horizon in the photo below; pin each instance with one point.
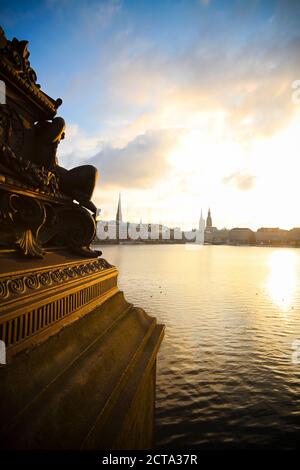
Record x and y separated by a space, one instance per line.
177 115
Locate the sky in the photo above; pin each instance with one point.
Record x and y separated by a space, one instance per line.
180 104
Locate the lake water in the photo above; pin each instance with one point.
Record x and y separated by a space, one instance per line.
227 375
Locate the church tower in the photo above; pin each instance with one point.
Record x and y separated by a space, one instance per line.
119 218
201 222
208 221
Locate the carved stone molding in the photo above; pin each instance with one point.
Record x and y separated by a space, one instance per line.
35 306
16 285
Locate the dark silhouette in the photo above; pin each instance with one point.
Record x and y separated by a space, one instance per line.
79 182
42 204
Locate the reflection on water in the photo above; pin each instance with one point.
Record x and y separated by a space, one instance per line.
225 374
282 280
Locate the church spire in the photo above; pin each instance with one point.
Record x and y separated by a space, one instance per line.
119 211
201 222
209 220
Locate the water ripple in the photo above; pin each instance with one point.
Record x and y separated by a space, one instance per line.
225 371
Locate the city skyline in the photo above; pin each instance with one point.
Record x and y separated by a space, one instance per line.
121 230
177 117
208 222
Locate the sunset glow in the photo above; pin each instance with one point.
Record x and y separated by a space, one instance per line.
178 118
282 282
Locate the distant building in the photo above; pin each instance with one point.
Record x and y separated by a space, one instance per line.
209 229
293 236
201 230
118 231
121 227
119 217
208 221
241 236
271 236
195 235
201 222
220 237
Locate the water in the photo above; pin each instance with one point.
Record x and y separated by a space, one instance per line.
226 377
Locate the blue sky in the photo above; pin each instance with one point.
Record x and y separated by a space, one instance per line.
182 104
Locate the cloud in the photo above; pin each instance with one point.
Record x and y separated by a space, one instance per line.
143 77
141 163
241 180
247 75
78 146
251 85
135 79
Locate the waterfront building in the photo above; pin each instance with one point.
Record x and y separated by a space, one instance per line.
293 236
271 236
209 229
119 231
241 236
220 237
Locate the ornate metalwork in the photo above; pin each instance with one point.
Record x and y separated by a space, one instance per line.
22 218
15 286
37 208
32 225
25 326
15 64
27 172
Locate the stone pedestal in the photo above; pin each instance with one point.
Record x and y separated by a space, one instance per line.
81 359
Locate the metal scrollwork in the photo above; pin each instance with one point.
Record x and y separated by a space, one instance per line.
28 217
77 229
19 285
37 208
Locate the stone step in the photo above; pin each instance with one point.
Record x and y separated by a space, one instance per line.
65 403
29 373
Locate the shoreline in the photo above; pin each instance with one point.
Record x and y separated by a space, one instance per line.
143 243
